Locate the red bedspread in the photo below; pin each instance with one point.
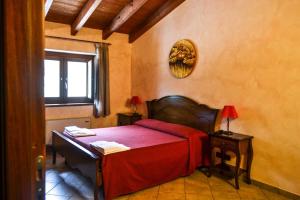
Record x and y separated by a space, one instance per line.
160 152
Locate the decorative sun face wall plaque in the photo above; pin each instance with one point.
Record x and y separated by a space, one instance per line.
182 58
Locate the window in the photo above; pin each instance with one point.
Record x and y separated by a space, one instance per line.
68 78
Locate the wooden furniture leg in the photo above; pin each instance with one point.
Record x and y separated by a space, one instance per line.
249 161
98 179
237 169
223 164
53 156
212 163
96 192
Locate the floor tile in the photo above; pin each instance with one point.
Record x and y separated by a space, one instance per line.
62 189
213 180
273 195
126 197
195 186
74 179
149 194
251 193
56 197
49 186
79 197
198 176
171 196
225 196
224 192
53 177
199 196
224 187
176 186
86 191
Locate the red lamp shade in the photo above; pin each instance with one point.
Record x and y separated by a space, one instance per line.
135 100
229 112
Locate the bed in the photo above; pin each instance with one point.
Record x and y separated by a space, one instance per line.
171 143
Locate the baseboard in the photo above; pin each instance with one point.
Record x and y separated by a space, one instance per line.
276 190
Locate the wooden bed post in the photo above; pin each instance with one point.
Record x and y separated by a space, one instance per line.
53 156
98 181
53 151
79 158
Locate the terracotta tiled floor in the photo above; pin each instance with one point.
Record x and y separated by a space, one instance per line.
63 183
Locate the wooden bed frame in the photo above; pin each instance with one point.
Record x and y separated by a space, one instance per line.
173 109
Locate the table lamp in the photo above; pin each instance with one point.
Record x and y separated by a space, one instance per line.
229 112
134 101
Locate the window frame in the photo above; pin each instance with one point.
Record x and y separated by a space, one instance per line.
64 57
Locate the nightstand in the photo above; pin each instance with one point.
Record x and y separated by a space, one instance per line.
128 118
239 144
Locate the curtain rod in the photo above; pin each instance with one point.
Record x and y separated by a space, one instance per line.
73 39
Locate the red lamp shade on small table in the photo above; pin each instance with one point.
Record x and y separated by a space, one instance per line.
229 112
134 101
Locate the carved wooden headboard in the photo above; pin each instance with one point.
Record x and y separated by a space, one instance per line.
182 110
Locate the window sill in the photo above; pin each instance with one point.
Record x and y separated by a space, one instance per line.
68 104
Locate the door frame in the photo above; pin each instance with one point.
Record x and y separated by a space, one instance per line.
2 120
22 99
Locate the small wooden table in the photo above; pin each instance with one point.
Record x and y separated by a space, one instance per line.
128 118
238 144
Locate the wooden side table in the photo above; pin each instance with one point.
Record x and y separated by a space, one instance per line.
128 118
237 143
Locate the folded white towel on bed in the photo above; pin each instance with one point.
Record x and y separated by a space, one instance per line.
72 128
78 132
105 147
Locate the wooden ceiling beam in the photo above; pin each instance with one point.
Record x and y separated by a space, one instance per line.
84 15
164 10
48 4
125 14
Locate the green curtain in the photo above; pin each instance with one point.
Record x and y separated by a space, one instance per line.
101 81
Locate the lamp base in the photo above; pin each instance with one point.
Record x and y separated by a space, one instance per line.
134 108
135 114
227 132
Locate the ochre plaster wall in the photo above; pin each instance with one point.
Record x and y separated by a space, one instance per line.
249 56
120 71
